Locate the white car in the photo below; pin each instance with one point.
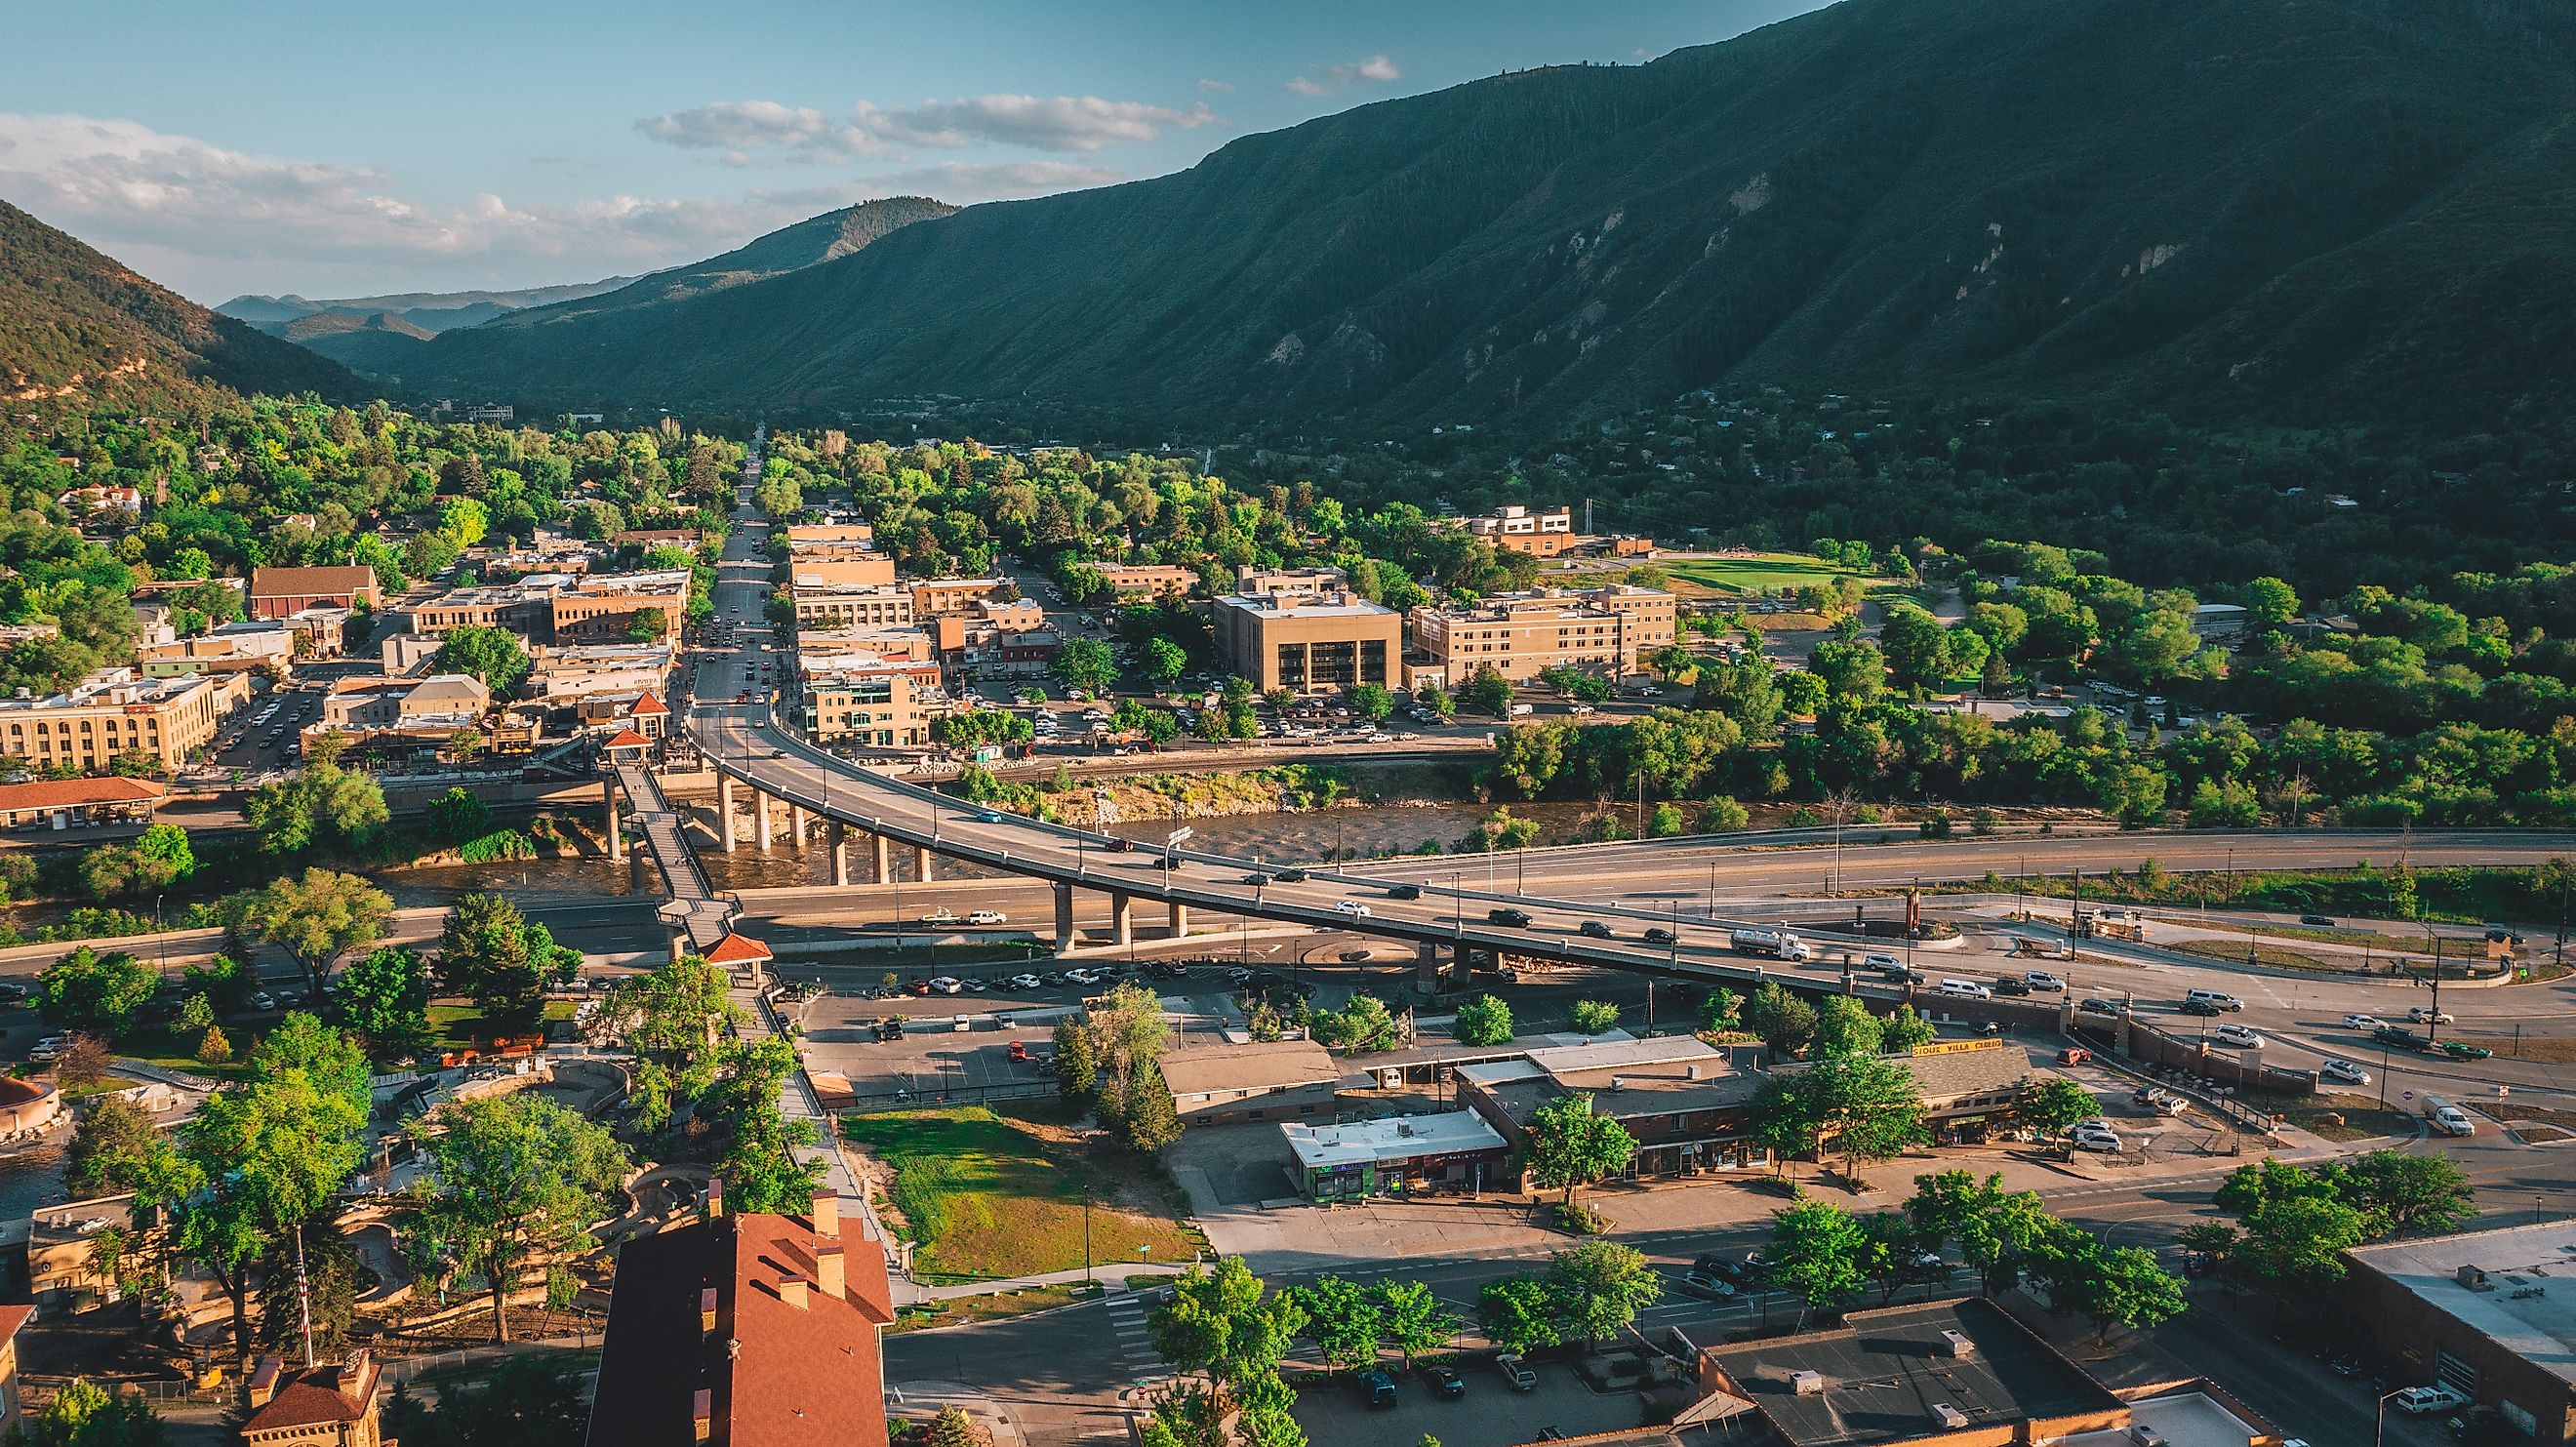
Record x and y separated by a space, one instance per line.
2345 1071
1882 962
2093 1135
1353 908
987 916
2363 1023
939 916
2425 1401
1083 976
2242 1037
2427 1015
1025 982
948 985
2042 980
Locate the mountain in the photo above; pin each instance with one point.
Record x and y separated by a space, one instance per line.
810 242
76 326
430 311
377 344
2338 210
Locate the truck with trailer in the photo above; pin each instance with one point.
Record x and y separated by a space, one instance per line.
1771 944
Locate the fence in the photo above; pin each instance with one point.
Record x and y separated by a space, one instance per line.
934 1099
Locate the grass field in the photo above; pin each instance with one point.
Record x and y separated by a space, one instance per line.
1761 573
164 1047
2233 951
459 1027
1001 1305
2336 1117
987 1196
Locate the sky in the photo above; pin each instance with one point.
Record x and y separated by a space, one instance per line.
343 150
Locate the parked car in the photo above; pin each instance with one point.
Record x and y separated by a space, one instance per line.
2323 921
2345 1071
2093 1135
889 1028
1593 929
1378 1387
2074 1055
1516 1373
1445 1381
947 984
2425 1401
1019 1052
1024 982
2243 1037
1707 1285
1514 918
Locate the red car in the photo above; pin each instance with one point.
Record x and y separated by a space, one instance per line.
1020 1052
919 987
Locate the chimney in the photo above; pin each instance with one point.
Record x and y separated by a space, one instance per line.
831 1270
356 1381
1618 1083
707 1311
1690 1072
263 1380
702 1415
827 1215
791 1289
715 1197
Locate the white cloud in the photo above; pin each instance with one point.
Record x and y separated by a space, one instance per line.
1217 87
1067 123
211 222
1376 69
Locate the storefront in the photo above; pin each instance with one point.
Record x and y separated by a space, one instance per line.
1453 1153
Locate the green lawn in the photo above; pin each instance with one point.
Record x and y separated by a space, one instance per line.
1763 572
163 1047
986 1196
460 1027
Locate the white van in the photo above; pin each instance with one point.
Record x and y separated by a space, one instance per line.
2219 998
1966 990
2447 1118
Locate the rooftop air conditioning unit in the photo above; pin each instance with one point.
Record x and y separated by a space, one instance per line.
1618 1083
1958 1344
1949 1417
1807 1384
2145 1436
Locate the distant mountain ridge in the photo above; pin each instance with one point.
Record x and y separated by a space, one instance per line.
77 327
2336 210
429 311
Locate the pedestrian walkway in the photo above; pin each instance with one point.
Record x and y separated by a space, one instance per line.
1127 1320
694 907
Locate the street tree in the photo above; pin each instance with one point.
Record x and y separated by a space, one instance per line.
1996 1230
1845 1026
1892 1253
1164 659
510 1181
493 655
2399 1194
1370 701
1221 1324
1517 1314
1817 1254
1904 1030
1572 1145
1785 1022
2124 1286
318 916
383 996
86 990
2293 1246
2053 1104
1412 1320
1342 1321
502 960
674 1017
1086 665
1867 1107
1484 1020
1599 1287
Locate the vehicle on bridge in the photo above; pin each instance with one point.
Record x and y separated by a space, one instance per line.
1514 918
1776 944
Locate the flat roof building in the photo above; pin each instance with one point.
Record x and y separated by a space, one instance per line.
934 596
1265 1080
115 712
1252 582
1131 582
1309 642
869 700
1686 1101
1605 631
607 608
2477 1312
850 605
1455 1150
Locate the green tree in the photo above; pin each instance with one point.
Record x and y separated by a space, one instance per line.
1517 1313
155 860
1364 1025
1219 1323
758 1149
953 1428
1571 1145
83 1414
490 654
2400 1194
333 1278
1086 665
1785 1022
1997 1231
1484 1020
647 626
1816 1253
1412 1320
509 1182
320 804
2269 602
1342 1321
317 917
1721 1011
1598 1288
674 1017
1488 690
1845 1026
383 996
459 815
1164 659
1369 701
1591 1017
1904 1030
1867 1107
116 1146
1077 1067
85 990
2052 1104
501 959
214 1047
2124 1286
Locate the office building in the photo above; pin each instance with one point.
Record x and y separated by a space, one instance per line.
117 711
850 605
1309 642
1607 631
1145 582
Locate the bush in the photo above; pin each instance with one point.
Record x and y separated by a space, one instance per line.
1722 815
1591 1017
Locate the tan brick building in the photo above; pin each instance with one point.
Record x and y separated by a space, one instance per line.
1309 643
115 712
876 701
932 597
844 605
1133 582
602 609
1521 635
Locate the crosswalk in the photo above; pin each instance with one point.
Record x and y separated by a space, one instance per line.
1135 1340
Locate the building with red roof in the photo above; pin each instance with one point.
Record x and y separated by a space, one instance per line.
111 797
754 1330
334 1405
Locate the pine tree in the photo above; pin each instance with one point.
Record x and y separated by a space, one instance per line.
953 1428
215 1049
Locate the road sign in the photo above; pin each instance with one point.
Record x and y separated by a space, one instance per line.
1177 835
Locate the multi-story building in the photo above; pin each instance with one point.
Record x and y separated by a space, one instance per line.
601 609
859 569
277 592
1521 635
2472 1312
880 702
850 605
895 642
335 1404
524 607
117 711
934 596
1131 582
754 1330
442 700
571 672
803 533
1309 642
266 650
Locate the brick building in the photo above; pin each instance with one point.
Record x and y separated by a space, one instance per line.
1309 642
278 592
2475 1312
115 712
1607 631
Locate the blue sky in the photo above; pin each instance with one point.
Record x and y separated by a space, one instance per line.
337 150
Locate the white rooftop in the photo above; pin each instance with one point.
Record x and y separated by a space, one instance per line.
1362 1142
2189 1419
2539 1260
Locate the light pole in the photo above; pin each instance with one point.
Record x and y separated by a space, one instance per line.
2379 1419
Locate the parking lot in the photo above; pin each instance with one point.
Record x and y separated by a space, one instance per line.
1491 1414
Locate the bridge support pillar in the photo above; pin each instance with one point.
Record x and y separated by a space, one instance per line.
679 944
724 810
796 824
1426 966
923 871
616 834
760 812
1064 931
1122 919
880 859
1180 919
838 835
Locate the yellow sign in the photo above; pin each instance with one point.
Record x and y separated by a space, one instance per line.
1955 1047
